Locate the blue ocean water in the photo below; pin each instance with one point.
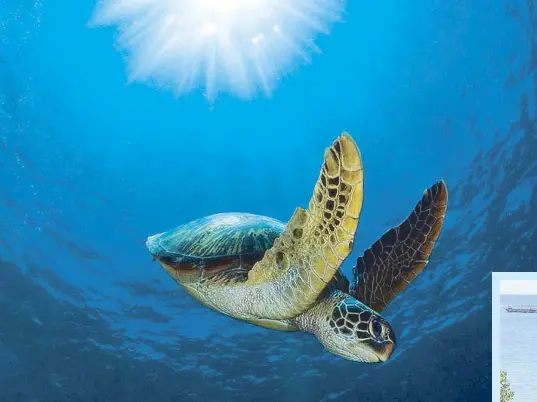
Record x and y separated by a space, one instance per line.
518 355
90 166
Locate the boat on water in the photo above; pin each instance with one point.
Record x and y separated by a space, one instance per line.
521 309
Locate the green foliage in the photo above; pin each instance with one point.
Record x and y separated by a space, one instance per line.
506 395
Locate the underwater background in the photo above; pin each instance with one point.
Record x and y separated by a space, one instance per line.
90 166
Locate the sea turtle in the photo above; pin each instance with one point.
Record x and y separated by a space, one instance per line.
287 277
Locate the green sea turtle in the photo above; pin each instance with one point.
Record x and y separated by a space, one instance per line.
287 277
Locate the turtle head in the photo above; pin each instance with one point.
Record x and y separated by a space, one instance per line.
355 332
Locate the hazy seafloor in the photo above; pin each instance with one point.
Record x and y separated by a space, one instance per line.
89 167
518 356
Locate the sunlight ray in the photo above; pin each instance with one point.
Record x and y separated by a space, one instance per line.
240 47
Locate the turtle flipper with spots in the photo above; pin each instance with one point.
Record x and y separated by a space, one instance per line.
287 277
387 268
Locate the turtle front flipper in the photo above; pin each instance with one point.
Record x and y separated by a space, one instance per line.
401 254
316 241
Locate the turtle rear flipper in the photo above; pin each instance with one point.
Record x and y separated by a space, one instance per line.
304 259
387 268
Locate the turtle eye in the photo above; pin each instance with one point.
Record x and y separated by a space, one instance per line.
376 328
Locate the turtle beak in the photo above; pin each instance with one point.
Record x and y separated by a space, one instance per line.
386 352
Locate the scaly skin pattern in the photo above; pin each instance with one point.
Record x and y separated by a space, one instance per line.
316 241
402 253
341 323
348 328
263 301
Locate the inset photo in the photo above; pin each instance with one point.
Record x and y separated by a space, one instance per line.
515 336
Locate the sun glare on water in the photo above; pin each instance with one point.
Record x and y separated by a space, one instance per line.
241 47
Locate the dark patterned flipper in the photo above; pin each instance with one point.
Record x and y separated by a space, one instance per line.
387 268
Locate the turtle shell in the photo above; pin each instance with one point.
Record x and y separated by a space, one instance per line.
221 247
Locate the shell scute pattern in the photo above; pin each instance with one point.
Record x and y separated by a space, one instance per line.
220 248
